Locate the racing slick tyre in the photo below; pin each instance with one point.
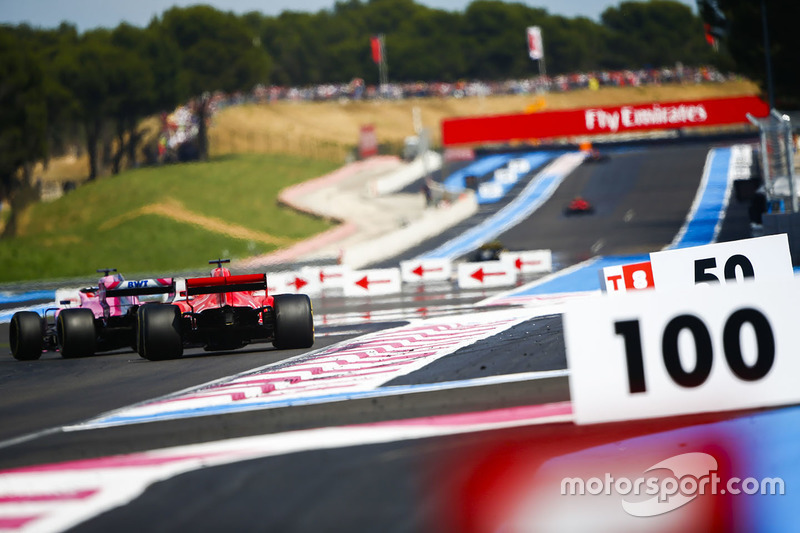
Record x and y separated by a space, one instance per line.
26 335
76 334
158 332
294 322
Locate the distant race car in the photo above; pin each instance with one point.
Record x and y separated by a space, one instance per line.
595 156
224 312
579 206
489 251
86 321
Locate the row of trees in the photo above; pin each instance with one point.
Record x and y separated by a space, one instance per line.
485 41
59 85
60 88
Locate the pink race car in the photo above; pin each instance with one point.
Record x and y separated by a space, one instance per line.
97 319
224 312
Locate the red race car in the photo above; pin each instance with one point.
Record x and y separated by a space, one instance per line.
224 312
579 206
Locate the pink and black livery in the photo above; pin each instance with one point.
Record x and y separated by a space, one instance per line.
105 319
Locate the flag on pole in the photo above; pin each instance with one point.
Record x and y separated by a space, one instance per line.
535 46
379 57
377 49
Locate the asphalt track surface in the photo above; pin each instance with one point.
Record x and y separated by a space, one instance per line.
641 198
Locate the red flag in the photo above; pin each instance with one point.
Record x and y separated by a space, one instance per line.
376 49
709 38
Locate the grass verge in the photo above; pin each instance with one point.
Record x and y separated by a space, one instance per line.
164 219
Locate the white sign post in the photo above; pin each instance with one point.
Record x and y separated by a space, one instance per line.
529 262
654 353
760 259
291 282
422 270
622 278
485 274
328 276
372 282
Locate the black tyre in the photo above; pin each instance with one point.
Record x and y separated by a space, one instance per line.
26 335
158 332
76 333
294 322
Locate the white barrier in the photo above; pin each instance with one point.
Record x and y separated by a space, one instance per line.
432 223
485 274
328 276
529 262
292 283
372 282
406 174
422 270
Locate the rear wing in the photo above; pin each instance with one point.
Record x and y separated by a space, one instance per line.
220 284
143 287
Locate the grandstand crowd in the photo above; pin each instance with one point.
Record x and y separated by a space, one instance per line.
357 90
181 125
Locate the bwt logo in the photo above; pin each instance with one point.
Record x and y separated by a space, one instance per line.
693 474
137 284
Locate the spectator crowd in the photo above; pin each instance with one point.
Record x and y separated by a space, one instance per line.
357 90
180 127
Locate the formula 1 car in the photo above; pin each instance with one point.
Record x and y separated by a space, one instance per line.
103 318
489 251
595 156
224 312
579 206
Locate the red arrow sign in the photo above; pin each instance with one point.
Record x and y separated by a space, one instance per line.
299 283
322 276
480 274
419 271
519 262
365 283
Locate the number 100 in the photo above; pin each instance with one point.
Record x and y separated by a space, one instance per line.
765 341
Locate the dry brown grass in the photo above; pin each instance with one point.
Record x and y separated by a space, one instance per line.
329 130
293 126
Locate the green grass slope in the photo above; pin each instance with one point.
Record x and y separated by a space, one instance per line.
164 219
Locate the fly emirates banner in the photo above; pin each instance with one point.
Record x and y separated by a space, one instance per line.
602 120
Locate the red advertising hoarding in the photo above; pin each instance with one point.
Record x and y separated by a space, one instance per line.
602 120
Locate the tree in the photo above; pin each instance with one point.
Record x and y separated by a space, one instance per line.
745 40
218 52
134 93
573 45
49 45
90 71
23 124
654 34
295 42
434 35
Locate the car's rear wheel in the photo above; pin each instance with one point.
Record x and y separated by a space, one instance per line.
294 321
76 333
26 335
158 332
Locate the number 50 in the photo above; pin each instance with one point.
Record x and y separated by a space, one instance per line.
702 267
765 341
